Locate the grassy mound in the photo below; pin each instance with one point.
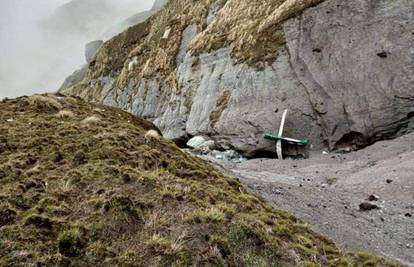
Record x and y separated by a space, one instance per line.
86 185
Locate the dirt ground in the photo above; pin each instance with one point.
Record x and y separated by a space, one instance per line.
327 189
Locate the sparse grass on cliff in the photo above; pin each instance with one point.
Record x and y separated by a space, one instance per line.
77 191
250 28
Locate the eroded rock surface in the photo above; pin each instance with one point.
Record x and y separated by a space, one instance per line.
345 73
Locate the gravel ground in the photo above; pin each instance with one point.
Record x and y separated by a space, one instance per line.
327 189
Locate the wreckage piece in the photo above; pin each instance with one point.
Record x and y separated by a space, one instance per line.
279 137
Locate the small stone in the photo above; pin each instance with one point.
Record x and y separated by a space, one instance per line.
382 54
373 198
409 215
389 181
277 192
366 206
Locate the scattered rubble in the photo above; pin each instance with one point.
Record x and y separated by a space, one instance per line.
229 155
202 146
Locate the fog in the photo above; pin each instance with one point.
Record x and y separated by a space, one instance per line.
42 42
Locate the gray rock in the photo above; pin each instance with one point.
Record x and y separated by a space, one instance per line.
75 77
196 142
210 144
91 49
214 9
346 75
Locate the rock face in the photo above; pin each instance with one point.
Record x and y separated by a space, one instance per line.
343 69
76 77
91 49
135 19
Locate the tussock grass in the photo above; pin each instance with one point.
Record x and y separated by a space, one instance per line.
45 102
91 120
65 114
119 200
152 134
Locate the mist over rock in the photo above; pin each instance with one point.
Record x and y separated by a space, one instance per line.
90 17
43 41
91 49
76 77
344 70
134 19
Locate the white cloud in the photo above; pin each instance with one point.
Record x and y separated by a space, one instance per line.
35 60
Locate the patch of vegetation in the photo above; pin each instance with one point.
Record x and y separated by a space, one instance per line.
212 214
222 103
70 243
104 194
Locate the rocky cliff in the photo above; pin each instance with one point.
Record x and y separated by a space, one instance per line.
227 69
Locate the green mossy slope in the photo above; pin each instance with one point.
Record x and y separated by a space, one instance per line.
83 185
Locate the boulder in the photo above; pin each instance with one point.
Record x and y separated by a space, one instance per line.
200 141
